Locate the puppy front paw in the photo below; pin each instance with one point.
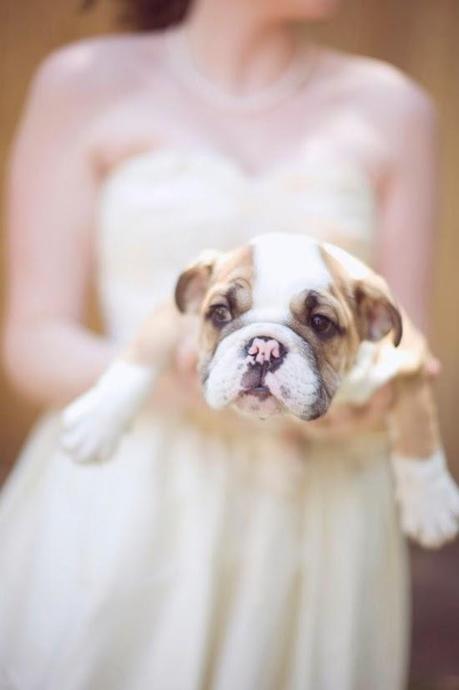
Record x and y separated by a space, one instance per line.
428 499
94 423
90 427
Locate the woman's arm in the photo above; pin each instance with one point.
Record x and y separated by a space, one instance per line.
49 354
409 204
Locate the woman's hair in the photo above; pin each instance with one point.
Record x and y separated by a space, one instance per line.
150 15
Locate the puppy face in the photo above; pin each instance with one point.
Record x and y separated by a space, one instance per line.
281 322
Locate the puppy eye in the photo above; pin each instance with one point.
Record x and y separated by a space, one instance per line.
220 314
323 326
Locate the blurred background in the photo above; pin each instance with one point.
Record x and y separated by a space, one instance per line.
421 38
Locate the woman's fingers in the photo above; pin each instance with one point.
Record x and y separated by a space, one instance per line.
186 359
379 403
363 415
433 367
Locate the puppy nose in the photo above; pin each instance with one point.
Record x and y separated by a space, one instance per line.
265 350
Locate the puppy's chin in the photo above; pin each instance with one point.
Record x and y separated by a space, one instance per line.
251 405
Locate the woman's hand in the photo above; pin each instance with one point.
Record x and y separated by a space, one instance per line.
342 421
186 366
178 386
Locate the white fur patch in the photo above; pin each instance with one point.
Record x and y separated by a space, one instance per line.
428 498
284 265
95 422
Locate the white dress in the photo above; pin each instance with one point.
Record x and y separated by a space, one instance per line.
192 561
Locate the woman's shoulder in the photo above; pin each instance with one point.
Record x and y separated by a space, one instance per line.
97 65
380 86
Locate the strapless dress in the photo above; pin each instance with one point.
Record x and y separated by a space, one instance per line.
192 561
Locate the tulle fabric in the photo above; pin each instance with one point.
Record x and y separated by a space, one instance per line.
196 560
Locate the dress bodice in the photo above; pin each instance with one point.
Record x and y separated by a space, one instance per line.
160 209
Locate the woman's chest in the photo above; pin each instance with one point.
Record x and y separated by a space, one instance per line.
160 209
257 141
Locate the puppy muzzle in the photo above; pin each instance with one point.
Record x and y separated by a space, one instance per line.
265 368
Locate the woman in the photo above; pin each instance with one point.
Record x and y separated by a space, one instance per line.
194 560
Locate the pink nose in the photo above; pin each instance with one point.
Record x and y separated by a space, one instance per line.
265 350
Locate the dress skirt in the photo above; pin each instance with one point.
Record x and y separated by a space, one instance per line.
191 561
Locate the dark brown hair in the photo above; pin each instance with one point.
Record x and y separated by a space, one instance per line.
150 15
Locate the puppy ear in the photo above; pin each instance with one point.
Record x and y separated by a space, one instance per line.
377 313
372 301
193 283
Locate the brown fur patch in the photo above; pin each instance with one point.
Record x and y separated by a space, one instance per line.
157 337
231 285
194 281
414 423
371 300
238 263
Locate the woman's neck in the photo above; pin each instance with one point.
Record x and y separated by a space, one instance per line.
238 47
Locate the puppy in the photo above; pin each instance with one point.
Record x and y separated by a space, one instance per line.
289 326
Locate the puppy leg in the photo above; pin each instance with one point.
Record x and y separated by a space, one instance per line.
427 495
95 422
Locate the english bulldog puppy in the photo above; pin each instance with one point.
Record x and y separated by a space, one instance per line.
289 326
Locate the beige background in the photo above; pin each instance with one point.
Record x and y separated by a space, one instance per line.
419 36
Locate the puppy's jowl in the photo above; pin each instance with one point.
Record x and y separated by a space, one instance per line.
289 326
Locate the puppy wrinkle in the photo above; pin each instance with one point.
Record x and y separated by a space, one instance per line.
312 299
328 354
239 298
326 303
